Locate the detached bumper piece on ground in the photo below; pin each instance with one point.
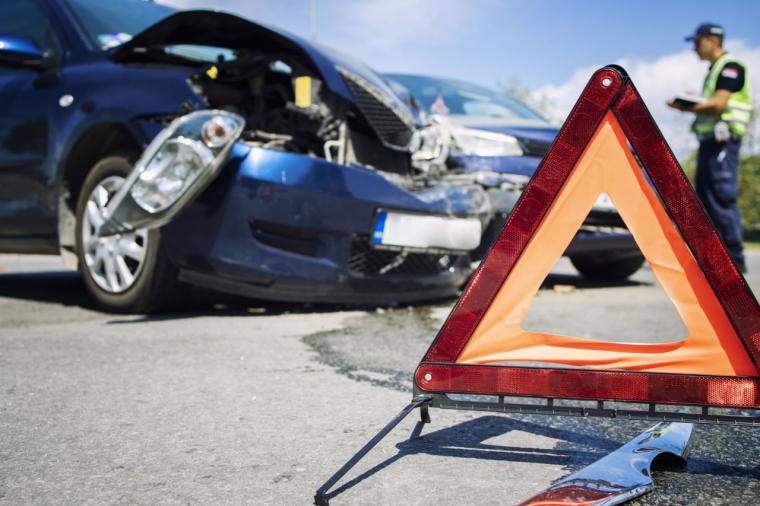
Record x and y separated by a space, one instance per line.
623 474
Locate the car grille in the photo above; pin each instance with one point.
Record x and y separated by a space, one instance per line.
296 240
390 124
364 259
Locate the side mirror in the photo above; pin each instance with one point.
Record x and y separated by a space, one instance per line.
22 53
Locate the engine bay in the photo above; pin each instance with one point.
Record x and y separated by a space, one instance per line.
287 107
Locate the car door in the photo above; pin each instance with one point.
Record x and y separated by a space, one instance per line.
27 99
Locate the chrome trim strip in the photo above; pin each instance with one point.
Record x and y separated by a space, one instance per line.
623 474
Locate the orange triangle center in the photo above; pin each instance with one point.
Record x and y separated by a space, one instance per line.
608 166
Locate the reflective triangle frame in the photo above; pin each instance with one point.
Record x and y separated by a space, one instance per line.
610 91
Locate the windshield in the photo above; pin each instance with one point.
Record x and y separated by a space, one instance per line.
449 96
111 23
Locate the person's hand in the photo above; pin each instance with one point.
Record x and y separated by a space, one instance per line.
675 105
678 105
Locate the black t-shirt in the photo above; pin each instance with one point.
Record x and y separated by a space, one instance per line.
731 78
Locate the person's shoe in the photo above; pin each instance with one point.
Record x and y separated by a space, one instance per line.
741 266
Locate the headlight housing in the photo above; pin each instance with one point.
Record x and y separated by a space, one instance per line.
175 166
180 162
471 141
191 147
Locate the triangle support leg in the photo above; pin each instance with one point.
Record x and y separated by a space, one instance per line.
425 413
321 497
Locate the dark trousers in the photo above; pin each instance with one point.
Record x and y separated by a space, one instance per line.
718 189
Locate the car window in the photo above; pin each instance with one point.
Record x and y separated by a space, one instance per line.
24 18
450 96
109 24
201 53
484 108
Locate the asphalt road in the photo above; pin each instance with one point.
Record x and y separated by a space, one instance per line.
235 401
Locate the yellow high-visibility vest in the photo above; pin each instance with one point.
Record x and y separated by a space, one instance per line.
739 110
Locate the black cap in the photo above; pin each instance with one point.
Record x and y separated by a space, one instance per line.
707 30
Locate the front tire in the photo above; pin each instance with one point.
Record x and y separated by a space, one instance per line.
125 273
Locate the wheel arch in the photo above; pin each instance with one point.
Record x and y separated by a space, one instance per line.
95 143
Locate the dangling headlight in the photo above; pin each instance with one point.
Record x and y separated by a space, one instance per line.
176 165
471 141
179 163
191 147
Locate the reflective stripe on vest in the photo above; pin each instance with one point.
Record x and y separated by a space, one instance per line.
739 109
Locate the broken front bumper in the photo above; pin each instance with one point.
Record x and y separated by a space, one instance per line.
282 226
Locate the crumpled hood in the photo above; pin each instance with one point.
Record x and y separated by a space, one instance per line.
220 29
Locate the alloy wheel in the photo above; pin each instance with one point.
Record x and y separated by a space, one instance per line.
113 262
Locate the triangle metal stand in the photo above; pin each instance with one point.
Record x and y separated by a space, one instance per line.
321 498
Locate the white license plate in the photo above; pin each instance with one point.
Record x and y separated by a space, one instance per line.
426 232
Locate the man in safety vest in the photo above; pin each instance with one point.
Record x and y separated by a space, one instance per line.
723 115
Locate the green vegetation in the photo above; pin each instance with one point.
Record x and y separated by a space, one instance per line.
690 167
752 239
749 196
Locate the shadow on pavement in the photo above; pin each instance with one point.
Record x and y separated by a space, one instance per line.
198 303
579 281
468 440
574 450
66 288
55 287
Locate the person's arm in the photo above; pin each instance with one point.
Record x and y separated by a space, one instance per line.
730 80
713 105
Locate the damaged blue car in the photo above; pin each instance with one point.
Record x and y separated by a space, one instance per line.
499 141
153 148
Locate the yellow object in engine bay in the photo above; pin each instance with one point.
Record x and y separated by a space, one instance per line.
302 87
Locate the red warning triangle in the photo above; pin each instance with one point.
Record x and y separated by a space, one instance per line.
718 364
